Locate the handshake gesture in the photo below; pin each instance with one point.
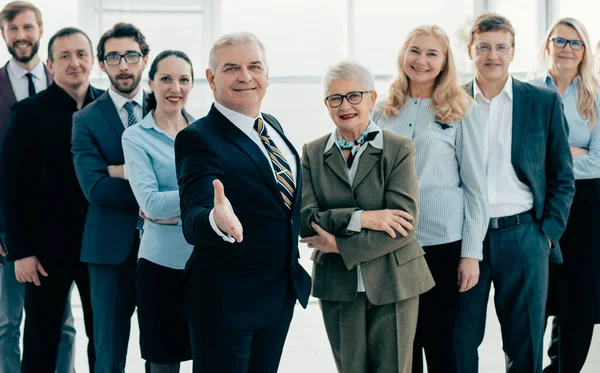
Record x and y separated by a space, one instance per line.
223 214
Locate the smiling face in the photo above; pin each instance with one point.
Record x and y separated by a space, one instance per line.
565 59
423 59
172 83
349 118
493 65
241 78
22 36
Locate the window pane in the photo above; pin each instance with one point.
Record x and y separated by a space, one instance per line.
301 37
124 4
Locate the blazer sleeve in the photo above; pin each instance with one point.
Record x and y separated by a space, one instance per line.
334 221
154 203
197 165
20 194
560 187
92 171
401 192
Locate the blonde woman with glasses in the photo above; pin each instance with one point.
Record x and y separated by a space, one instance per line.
427 105
574 295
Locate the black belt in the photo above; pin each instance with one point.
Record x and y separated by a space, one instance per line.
511 221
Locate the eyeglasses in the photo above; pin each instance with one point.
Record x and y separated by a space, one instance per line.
114 59
486 48
576 45
353 98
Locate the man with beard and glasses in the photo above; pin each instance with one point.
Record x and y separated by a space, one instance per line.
23 76
110 242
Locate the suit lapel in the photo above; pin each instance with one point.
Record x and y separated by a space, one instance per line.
110 113
521 109
6 88
368 159
335 161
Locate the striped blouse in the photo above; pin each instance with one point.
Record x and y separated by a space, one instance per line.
451 173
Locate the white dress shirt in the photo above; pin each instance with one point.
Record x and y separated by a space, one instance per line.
120 101
20 83
246 125
506 193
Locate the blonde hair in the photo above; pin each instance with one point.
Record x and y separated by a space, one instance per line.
588 86
449 100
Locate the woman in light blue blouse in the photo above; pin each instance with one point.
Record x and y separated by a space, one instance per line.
150 159
574 292
427 105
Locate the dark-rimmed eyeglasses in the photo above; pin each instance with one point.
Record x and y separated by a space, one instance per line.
114 59
576 45
354 98
486 48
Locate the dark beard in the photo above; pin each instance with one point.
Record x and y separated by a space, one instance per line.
24 59
126 91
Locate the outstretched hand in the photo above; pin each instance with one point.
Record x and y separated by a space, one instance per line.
223 214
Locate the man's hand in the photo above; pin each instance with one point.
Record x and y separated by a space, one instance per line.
468 274
117 171
2 253
388 221
223 214
323 241
26 270
549 240
578 152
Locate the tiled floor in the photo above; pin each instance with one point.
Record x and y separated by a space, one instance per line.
307 348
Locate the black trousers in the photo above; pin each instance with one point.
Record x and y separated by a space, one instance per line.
569 347
438 309
44 310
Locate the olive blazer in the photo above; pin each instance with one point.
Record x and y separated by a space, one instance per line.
393 269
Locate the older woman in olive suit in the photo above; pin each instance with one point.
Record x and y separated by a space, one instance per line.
359 212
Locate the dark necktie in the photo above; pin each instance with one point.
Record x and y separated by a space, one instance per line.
131 120
284 177
30 85
355 145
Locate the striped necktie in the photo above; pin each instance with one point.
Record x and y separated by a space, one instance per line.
131 119
283 173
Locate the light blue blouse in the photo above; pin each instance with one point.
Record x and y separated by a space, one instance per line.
451 172
580 134
150 159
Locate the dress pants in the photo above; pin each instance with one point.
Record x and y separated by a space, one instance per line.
113 302
368 338
569 347
242 351
515 260
44 314
435 329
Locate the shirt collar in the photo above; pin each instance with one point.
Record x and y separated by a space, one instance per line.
149 122
18 72
67 100
377 142
549 82
119 100
241 121
508 89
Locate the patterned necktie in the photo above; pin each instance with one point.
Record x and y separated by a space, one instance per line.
354 146
131 119
284 177
30 85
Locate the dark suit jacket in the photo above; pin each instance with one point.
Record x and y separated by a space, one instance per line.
7 98
244 285
541 156
113 210
394 269
43 206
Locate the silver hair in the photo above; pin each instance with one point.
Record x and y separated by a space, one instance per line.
236 38
349 70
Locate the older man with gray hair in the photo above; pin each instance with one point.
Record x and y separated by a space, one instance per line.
243 278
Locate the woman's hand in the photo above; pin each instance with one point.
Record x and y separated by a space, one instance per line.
388 221
323 241
578 152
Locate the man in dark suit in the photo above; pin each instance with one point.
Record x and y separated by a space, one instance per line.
243 278
43 206
110 240
530 189
23 76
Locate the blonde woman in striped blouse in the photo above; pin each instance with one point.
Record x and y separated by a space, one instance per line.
427 105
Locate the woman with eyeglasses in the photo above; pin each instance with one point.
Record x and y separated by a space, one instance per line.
359 210
574 292
427 105
150 156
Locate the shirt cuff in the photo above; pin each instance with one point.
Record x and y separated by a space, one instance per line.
354 225
226 238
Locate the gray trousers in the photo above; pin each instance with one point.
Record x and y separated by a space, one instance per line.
12 298
366 338
515 260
